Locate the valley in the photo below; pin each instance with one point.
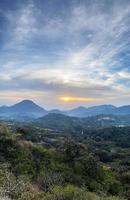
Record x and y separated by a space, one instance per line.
61 157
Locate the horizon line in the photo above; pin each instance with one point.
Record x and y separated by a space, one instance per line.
55 108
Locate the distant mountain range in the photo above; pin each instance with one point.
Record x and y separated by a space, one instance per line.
27 109
92 111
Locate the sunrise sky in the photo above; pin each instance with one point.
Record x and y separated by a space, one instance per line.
65 53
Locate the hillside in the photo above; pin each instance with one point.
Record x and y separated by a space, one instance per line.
63 123
60 122
71 171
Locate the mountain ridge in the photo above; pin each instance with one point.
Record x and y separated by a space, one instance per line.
30 109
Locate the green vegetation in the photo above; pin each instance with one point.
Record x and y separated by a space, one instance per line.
92 166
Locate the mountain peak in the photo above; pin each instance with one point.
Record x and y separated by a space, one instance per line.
26 101
26 106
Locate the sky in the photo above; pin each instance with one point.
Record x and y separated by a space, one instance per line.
65 53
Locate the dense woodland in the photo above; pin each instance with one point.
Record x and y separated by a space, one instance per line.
38 163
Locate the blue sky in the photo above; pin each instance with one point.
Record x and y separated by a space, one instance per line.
51 49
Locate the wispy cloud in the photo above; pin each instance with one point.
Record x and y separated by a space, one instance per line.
83 51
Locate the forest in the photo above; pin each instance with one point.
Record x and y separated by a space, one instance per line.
36 163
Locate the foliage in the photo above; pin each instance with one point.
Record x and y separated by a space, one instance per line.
77 169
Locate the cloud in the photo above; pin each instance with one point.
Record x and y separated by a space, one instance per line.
83 51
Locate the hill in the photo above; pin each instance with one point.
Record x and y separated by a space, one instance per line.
60 122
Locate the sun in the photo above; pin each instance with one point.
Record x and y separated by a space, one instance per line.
76 99
67 99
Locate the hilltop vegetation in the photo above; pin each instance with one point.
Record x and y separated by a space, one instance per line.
74 125
77 168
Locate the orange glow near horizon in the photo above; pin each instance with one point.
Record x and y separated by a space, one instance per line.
76 99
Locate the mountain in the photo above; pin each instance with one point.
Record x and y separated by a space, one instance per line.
123 110
23 110
92 111
102 109
28 110
78 112
3 109
27 106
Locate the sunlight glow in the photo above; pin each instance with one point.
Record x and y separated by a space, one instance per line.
76 99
